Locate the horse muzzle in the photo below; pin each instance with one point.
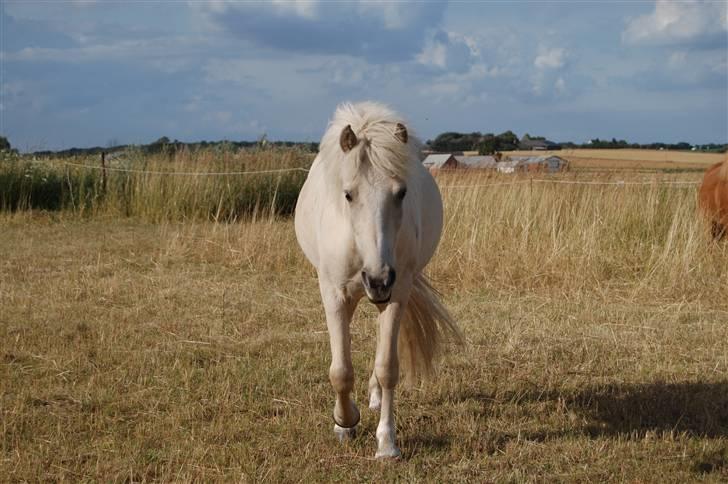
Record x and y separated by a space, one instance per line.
379 288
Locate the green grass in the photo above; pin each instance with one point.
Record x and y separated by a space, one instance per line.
158 187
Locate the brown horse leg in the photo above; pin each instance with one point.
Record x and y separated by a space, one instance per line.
719 231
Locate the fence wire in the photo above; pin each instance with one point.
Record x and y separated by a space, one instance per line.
306 170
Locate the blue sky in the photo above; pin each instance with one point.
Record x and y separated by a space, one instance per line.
85 73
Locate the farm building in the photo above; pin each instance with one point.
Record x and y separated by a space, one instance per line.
507 166
437 162
550 164
477 162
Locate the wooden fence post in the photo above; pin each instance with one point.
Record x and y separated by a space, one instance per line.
103 172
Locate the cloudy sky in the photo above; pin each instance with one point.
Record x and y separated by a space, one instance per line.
84 73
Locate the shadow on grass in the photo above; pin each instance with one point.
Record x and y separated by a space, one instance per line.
697 408
426 441
630 410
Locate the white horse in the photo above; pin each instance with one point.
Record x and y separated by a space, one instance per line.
369 218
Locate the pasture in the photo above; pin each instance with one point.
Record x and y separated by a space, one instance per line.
170 329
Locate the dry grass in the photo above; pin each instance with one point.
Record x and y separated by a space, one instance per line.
596 319
631 159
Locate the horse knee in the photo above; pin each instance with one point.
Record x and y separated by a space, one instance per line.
387 374
342 378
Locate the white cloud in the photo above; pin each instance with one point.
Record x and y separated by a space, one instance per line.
306 9
560 85
550 59
450 51
696 67
679 22
378 31
434 54
219 117
302 8
392 14
457 87
170 54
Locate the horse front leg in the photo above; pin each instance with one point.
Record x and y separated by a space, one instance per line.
339 310
375 389
375 392
386 374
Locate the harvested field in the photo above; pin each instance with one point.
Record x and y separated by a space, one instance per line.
632 159
138 349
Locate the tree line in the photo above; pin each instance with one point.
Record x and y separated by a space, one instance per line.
447 142
165 145
490 143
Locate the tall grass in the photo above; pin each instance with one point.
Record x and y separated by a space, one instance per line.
174 186
567 238
570 239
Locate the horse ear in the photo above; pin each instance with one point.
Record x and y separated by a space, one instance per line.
401 133
347 140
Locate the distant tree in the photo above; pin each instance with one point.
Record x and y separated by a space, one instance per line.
452 141
4 144
682 146
162 141
508 141
262 140
489 145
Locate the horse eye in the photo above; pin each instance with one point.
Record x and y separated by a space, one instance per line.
400 194
348 196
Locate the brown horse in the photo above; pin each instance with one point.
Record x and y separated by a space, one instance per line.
713 198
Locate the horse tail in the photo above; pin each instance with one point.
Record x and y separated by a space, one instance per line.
425 327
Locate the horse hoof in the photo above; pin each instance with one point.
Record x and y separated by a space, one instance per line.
344 434
388 453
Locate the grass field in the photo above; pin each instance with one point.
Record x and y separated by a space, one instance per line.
145 348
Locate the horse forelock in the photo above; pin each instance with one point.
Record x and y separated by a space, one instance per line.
375 127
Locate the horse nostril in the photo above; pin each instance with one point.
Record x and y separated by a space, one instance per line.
391 277
365 279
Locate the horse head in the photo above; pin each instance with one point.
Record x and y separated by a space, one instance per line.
374 195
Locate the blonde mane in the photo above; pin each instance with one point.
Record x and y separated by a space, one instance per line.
375 126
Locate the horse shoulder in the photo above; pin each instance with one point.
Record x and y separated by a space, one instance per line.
709 193
339 260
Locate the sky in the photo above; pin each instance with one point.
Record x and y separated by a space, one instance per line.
97 73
